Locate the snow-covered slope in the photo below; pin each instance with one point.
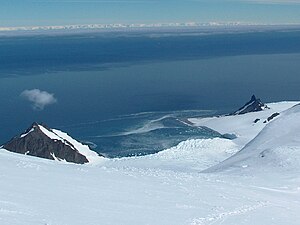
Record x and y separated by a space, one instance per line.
37 191
245 126
276 146
166 188
188 156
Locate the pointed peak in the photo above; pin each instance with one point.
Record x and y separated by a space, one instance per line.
254 105
38 125
33 126
253 98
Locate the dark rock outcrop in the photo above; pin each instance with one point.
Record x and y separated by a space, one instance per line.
256 120
37 142
254 105
271 117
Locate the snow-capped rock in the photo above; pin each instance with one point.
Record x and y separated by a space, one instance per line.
254 105
43 142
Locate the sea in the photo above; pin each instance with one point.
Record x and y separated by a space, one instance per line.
128 93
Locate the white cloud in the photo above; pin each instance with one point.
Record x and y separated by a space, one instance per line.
40 99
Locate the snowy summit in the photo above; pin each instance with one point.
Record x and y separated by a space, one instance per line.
43 142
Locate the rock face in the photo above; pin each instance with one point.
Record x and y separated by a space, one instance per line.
254 105
271 117
43 142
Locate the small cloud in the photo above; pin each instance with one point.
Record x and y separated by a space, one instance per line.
40 99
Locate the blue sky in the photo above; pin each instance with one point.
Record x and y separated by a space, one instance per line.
63 12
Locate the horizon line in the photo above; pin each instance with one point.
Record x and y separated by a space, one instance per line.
137 25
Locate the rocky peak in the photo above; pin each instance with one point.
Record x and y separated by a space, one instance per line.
254 105
41 141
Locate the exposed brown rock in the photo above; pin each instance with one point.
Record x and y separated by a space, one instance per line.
35 143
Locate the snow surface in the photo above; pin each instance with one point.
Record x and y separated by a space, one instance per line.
243 126
188 156
167 188
277 145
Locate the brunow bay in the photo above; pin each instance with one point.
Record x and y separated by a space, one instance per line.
129 93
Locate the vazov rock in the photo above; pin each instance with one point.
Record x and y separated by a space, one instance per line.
43 142
254 105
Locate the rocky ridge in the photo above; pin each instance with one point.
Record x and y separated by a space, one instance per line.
254 105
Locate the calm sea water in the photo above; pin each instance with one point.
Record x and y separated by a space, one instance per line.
130 94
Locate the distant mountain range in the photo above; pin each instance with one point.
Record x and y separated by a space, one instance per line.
132 26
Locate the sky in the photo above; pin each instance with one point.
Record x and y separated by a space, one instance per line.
65 12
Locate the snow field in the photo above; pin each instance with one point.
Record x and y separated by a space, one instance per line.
167 188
